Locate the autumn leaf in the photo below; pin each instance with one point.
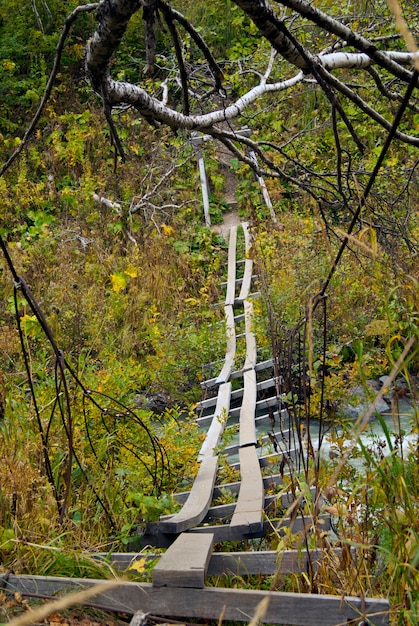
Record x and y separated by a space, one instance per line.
131 271
138 565
119 282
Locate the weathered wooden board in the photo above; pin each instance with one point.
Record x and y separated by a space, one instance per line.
270 482
261 405
263 562
185 563
247 435
281 416
224 375
225 532
250 503
218 421
264 441
196 506
263 365
223 512
248 266
251 354
293 609
273 460
231 268
237 394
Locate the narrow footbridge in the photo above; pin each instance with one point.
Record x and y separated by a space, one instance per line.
224 526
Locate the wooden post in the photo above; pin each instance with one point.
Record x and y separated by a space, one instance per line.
263 187
197 142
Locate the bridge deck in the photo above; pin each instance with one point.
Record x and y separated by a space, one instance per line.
255 503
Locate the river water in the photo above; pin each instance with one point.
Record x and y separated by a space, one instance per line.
399 422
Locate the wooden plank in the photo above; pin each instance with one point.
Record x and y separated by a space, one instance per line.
247 435
185 563
282 437
280 417
260 404
251 355
231 268
266 562
224 375
218 421
270 482
248 266
196 506
204 187
225 532
239 280
262 562
249 507
224 512
238 605
270 460
263 365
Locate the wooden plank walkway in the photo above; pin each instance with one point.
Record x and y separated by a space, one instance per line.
256 504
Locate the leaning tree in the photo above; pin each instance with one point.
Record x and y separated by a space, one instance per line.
351 63
319 87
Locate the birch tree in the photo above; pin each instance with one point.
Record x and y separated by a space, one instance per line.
357 78
351 65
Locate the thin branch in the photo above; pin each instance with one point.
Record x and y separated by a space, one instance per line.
366 108
330 25
179 56
212 63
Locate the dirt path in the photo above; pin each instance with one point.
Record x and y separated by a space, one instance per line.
230 218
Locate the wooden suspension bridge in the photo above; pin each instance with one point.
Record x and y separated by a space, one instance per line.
258 506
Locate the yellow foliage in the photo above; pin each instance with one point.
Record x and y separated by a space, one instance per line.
119 282
377 327
131 271
167 230
138 565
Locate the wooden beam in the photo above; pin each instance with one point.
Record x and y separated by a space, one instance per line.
266 562
251 354
250 503
185 563
231 267
196 506
230 355
248 265
262 562
260 404
299 524
237 393
272 503
270 460
293 609
270 482
247 434
282 437
219 420
263 365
